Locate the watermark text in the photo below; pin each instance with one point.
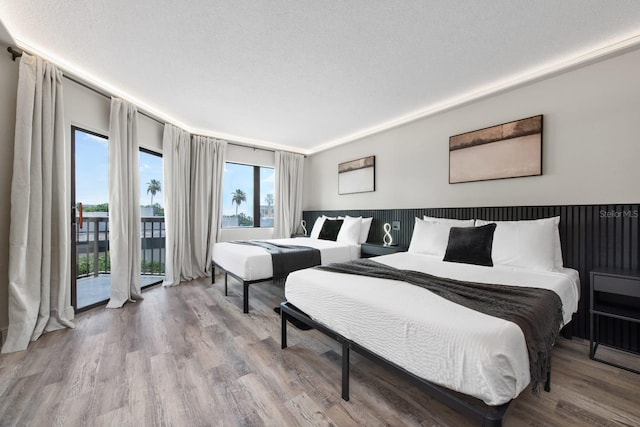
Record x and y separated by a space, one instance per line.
628 213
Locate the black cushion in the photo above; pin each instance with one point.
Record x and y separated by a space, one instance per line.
330 229
471 245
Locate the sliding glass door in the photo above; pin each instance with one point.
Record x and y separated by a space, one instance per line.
152 257
90 257
90 263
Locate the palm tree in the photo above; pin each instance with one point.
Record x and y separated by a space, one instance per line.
239 196
269 199
153 187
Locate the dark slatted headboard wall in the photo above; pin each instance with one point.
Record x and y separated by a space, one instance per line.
591 235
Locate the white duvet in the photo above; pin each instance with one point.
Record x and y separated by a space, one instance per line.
254 263
429 336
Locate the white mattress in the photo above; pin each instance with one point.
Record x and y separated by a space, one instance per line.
254 263
432 337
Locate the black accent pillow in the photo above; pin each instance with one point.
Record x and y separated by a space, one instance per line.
471 245
330 229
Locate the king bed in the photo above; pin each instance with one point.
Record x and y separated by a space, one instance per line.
472 361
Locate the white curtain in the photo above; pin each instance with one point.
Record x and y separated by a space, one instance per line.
124 203
289 183
176 153
193 172
39 268
207 171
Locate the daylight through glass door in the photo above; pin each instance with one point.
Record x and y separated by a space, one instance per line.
90 258
90 264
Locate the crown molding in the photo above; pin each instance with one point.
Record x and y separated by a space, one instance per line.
586 57
157 113
600 53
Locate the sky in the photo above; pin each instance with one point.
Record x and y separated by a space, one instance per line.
237 176
92 177
92 171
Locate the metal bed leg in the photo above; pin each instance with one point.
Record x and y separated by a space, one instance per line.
283 320
245 297
213 273
491 423
225 283
547 383
345 370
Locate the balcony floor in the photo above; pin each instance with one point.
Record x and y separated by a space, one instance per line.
91 290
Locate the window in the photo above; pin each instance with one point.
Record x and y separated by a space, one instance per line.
248 196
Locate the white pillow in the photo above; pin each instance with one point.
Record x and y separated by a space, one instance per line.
317 226
430 238
364 228
530 244
350 231
453 222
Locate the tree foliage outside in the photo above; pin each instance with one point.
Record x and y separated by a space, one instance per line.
153 187
238 197
85 266
269 199
244 220
101 207
149 267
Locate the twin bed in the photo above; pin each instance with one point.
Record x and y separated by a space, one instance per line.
472 361
337 240
253 264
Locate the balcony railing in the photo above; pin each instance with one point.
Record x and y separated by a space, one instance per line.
92 246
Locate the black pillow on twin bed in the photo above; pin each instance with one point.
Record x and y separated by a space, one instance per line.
330 229
471 245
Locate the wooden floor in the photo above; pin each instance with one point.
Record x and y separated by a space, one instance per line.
187 356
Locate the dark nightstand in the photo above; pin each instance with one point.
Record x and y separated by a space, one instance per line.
615 293
299 235
375 249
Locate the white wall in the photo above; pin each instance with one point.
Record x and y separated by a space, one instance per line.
8 89
89 110
249 156
591 148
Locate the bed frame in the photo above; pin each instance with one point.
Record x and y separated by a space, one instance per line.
470 406
245 284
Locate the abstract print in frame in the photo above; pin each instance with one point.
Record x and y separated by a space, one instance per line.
357 176
509 150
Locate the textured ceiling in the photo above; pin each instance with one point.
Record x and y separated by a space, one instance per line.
310 74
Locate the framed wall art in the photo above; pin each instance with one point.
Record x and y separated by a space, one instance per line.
508 150
357 176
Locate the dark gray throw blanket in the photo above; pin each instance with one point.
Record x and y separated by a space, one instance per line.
538 312
286 258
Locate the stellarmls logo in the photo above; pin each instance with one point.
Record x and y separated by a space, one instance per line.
620 214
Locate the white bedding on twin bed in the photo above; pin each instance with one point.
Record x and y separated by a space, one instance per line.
431 337
254 263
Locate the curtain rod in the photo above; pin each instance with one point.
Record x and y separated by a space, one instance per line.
17 54
14 53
